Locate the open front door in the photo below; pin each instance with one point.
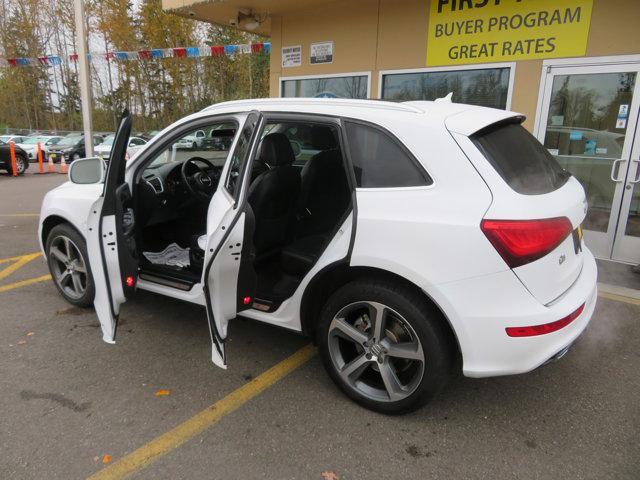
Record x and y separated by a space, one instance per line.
228 279
111 238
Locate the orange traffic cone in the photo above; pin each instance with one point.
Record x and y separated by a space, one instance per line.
50 166
63 165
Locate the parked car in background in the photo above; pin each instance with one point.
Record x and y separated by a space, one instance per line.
104 149
192 141
22 160
219 138
72 147
30 145
12 138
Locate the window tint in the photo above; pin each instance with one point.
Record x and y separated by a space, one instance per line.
484 87
520 159
379 161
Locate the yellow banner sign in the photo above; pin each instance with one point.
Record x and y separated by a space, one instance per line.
484 31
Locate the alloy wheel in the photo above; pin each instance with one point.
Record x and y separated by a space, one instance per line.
376 352
68 267
20 165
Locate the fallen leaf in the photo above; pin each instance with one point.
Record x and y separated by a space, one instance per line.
29 334
106 458
162 393
330 475
21 342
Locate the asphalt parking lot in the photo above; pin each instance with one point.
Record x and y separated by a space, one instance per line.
72 406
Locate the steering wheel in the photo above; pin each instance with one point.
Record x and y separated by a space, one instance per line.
199 183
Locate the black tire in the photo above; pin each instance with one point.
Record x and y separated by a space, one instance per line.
425 321
66 230
22 163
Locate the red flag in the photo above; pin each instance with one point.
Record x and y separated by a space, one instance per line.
144 54
43 60
179 52
257 47
13 62
217 50
73 57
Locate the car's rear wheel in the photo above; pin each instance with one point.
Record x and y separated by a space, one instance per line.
384 346
69 266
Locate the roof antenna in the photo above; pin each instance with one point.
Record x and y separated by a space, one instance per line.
446 99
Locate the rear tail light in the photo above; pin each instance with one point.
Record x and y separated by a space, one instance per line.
523 241
534 330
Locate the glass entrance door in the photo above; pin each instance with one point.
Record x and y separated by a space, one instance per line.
589 122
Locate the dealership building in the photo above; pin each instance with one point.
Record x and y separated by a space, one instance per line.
570 66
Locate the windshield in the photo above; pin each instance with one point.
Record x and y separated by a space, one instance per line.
70 140
108 140
5 138
34 140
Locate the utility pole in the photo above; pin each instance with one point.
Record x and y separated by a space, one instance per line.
84 76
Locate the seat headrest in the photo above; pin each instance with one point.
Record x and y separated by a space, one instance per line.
323 138
275 150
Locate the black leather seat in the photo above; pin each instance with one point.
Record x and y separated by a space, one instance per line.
325 192
273 195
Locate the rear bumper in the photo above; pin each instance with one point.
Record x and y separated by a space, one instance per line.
485 306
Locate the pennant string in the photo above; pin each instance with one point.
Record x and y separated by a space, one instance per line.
147 54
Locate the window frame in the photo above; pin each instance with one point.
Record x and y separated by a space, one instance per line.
455 68
394 138
367 74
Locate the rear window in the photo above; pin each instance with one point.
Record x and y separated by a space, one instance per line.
520 159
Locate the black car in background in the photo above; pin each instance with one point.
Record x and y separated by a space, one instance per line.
72 147
22 159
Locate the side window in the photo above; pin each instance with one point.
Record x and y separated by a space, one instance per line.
379 161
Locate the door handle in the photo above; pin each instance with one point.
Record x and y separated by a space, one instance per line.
613 169
637 179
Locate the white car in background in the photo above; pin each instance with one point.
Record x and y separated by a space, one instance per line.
421 239
30 145
104 149
13 138
192 141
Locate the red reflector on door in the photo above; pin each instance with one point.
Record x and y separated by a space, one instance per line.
534 330
130 281
246 300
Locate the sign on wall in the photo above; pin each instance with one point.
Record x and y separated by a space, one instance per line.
291 56
321 53
484 31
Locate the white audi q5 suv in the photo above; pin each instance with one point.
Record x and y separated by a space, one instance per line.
407 240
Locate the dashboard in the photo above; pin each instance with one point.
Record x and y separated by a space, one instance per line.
163 195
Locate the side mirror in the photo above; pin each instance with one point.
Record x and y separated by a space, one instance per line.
87 170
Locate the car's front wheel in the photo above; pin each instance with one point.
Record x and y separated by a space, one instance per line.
69 266
21 164
384 346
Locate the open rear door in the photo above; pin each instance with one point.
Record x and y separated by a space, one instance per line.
111 238
229 280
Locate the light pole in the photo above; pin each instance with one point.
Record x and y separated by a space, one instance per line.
84 80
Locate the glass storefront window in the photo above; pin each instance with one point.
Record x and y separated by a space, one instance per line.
326 87
586 135
487 87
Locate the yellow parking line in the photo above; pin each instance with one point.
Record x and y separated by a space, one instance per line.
619 298
172 439
13 259
18 263
24 283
